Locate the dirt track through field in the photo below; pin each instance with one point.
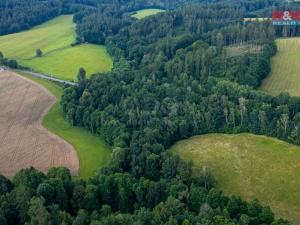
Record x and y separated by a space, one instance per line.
23 140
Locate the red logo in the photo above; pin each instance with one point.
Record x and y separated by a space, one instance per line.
286 15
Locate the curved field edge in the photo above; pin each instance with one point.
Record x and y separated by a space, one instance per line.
24 141
93 152
250 166
140 14
285 68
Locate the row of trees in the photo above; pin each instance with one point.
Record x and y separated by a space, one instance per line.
8 62
109 198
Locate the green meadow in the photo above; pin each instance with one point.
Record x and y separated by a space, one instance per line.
140 14
66 62
59 59
285 74
92 150
250 166
54 34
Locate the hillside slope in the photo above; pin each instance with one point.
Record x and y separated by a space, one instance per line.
54 34
250 166
285 75
54 38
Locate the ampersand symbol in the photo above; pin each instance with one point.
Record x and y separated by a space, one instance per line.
286 15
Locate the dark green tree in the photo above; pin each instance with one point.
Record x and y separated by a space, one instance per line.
81 76
38 213
5 185
38 53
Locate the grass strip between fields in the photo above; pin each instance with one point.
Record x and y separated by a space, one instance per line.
92 151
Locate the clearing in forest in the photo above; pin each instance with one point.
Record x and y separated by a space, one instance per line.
249 166
242 49
285 74
257 19
23 141
60 59
140 14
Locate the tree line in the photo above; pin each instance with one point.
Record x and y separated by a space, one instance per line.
18 15
112 198
8 62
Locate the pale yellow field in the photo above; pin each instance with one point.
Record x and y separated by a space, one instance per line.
249 166
285 74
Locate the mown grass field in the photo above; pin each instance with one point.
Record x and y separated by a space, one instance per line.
285 74
250 166
66 62
140 14
54 38
93 152
54 34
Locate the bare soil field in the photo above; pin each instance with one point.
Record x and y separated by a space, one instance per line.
23 140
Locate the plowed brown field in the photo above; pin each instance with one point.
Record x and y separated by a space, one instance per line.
23 140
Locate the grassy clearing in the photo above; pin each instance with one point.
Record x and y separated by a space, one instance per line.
92 150
257 19
241 49
250 166
285 75
66 62
59 59
140 14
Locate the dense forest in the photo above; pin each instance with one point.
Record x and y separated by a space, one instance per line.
173 78
112 198
95 25
18 15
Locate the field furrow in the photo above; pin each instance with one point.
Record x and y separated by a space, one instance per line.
23 141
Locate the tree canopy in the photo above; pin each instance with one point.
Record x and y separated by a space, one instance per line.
173 78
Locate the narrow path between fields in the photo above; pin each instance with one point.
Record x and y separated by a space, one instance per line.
47 77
